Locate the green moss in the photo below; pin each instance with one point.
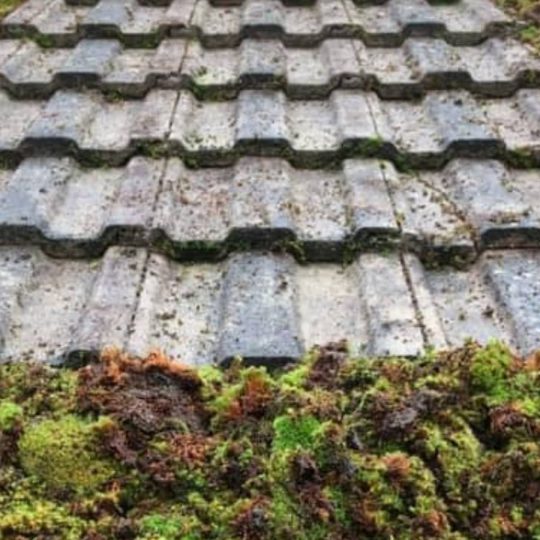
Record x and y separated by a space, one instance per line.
41 389
455 451
159 527
286 520
490 367
40 518
10 414
527 10
337 448
7 6
295 378
531 34
491 375
292 433
61 453
45 41
338 500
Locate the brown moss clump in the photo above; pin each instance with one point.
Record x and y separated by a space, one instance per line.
443 447
150 395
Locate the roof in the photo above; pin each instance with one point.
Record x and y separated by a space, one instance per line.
255 179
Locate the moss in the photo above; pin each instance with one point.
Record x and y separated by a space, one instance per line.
490 367
292 433
294 247
61 453
455 452
371 146
529 12
295 378
493 373
159 527
531 34
40 389
10 414
7 6
45 41
246 396
39 518
441 447
286 520
284 513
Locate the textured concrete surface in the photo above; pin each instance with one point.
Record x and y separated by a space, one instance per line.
56 22
317 215
309 133
256 177
265 307
495 68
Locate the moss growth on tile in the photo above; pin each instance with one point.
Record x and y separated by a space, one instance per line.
7 6
446 446
528 12
10 414
61 454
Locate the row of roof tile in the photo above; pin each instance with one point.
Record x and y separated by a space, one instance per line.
266 308
448 216
496 68
55 23
309 133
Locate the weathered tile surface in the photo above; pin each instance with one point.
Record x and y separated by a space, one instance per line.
310 133
262 306
496 68
54 21
498 298
221 178
319 215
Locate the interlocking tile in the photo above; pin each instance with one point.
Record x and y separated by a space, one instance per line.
448 216
309 133
264 307
48 305
496 68
261 306
498 298
79 212
259 177
229 3
54 22
218 3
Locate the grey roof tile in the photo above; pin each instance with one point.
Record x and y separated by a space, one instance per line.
498 298
229 3
256 305
446 216
262 306
497 68
309 133
53 305
178 311
493 201
108 311
17 117
57 22
258 312
515 281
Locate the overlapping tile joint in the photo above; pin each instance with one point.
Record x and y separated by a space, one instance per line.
223 178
